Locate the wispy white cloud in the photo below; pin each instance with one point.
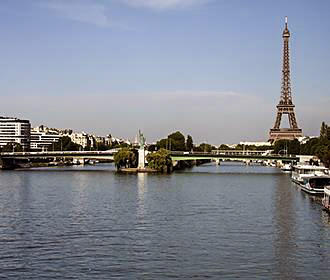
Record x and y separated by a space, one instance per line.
96 12
164 4
196 94
87 11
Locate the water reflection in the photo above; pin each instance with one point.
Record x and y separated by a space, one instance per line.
141 192
78 193
325 217
285 229
16 225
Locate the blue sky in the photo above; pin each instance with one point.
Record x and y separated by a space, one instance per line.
209 68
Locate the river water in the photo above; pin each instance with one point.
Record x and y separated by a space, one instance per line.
208 222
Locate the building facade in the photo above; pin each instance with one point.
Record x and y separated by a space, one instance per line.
81 139
257 144
42 138
13 130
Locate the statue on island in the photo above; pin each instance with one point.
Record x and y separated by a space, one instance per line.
142 140
142 154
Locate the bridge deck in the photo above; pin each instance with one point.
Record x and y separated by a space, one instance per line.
66 154
197 156
174 155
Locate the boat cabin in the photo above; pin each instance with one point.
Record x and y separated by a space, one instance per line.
299 172
315 184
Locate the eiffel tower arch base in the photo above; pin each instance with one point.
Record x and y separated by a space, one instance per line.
284 134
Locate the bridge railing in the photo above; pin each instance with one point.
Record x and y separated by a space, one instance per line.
59 153
243 152
217 153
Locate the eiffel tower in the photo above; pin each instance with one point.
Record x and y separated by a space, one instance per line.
285 105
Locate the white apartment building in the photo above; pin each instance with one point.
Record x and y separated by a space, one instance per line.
305 139
13 130
42 138
81 139
257 144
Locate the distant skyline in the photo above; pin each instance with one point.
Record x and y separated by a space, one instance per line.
208 68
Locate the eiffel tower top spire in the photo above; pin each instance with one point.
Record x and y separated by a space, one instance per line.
286 32
286 98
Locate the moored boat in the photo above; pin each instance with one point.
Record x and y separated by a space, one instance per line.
315 184
300 172
286 167
326 198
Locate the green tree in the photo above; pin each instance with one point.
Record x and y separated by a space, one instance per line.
189 143
160 160
250 147
174 142
125 158
309 146
204 147
294 147
224 147
152 148
239 147
177 141
124 145
265 148
162 144
65 144
102 147
324 130
280 146
325 158
319 147
291 147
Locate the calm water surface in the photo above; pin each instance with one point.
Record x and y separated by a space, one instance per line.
213 222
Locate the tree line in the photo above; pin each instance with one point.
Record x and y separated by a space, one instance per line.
176 141
319 146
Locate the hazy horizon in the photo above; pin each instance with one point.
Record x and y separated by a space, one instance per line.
211 69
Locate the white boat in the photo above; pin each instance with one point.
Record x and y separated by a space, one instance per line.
272 164
326 198
286 167
77 161
315 184
299 172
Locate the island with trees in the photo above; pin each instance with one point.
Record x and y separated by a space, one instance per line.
159 160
